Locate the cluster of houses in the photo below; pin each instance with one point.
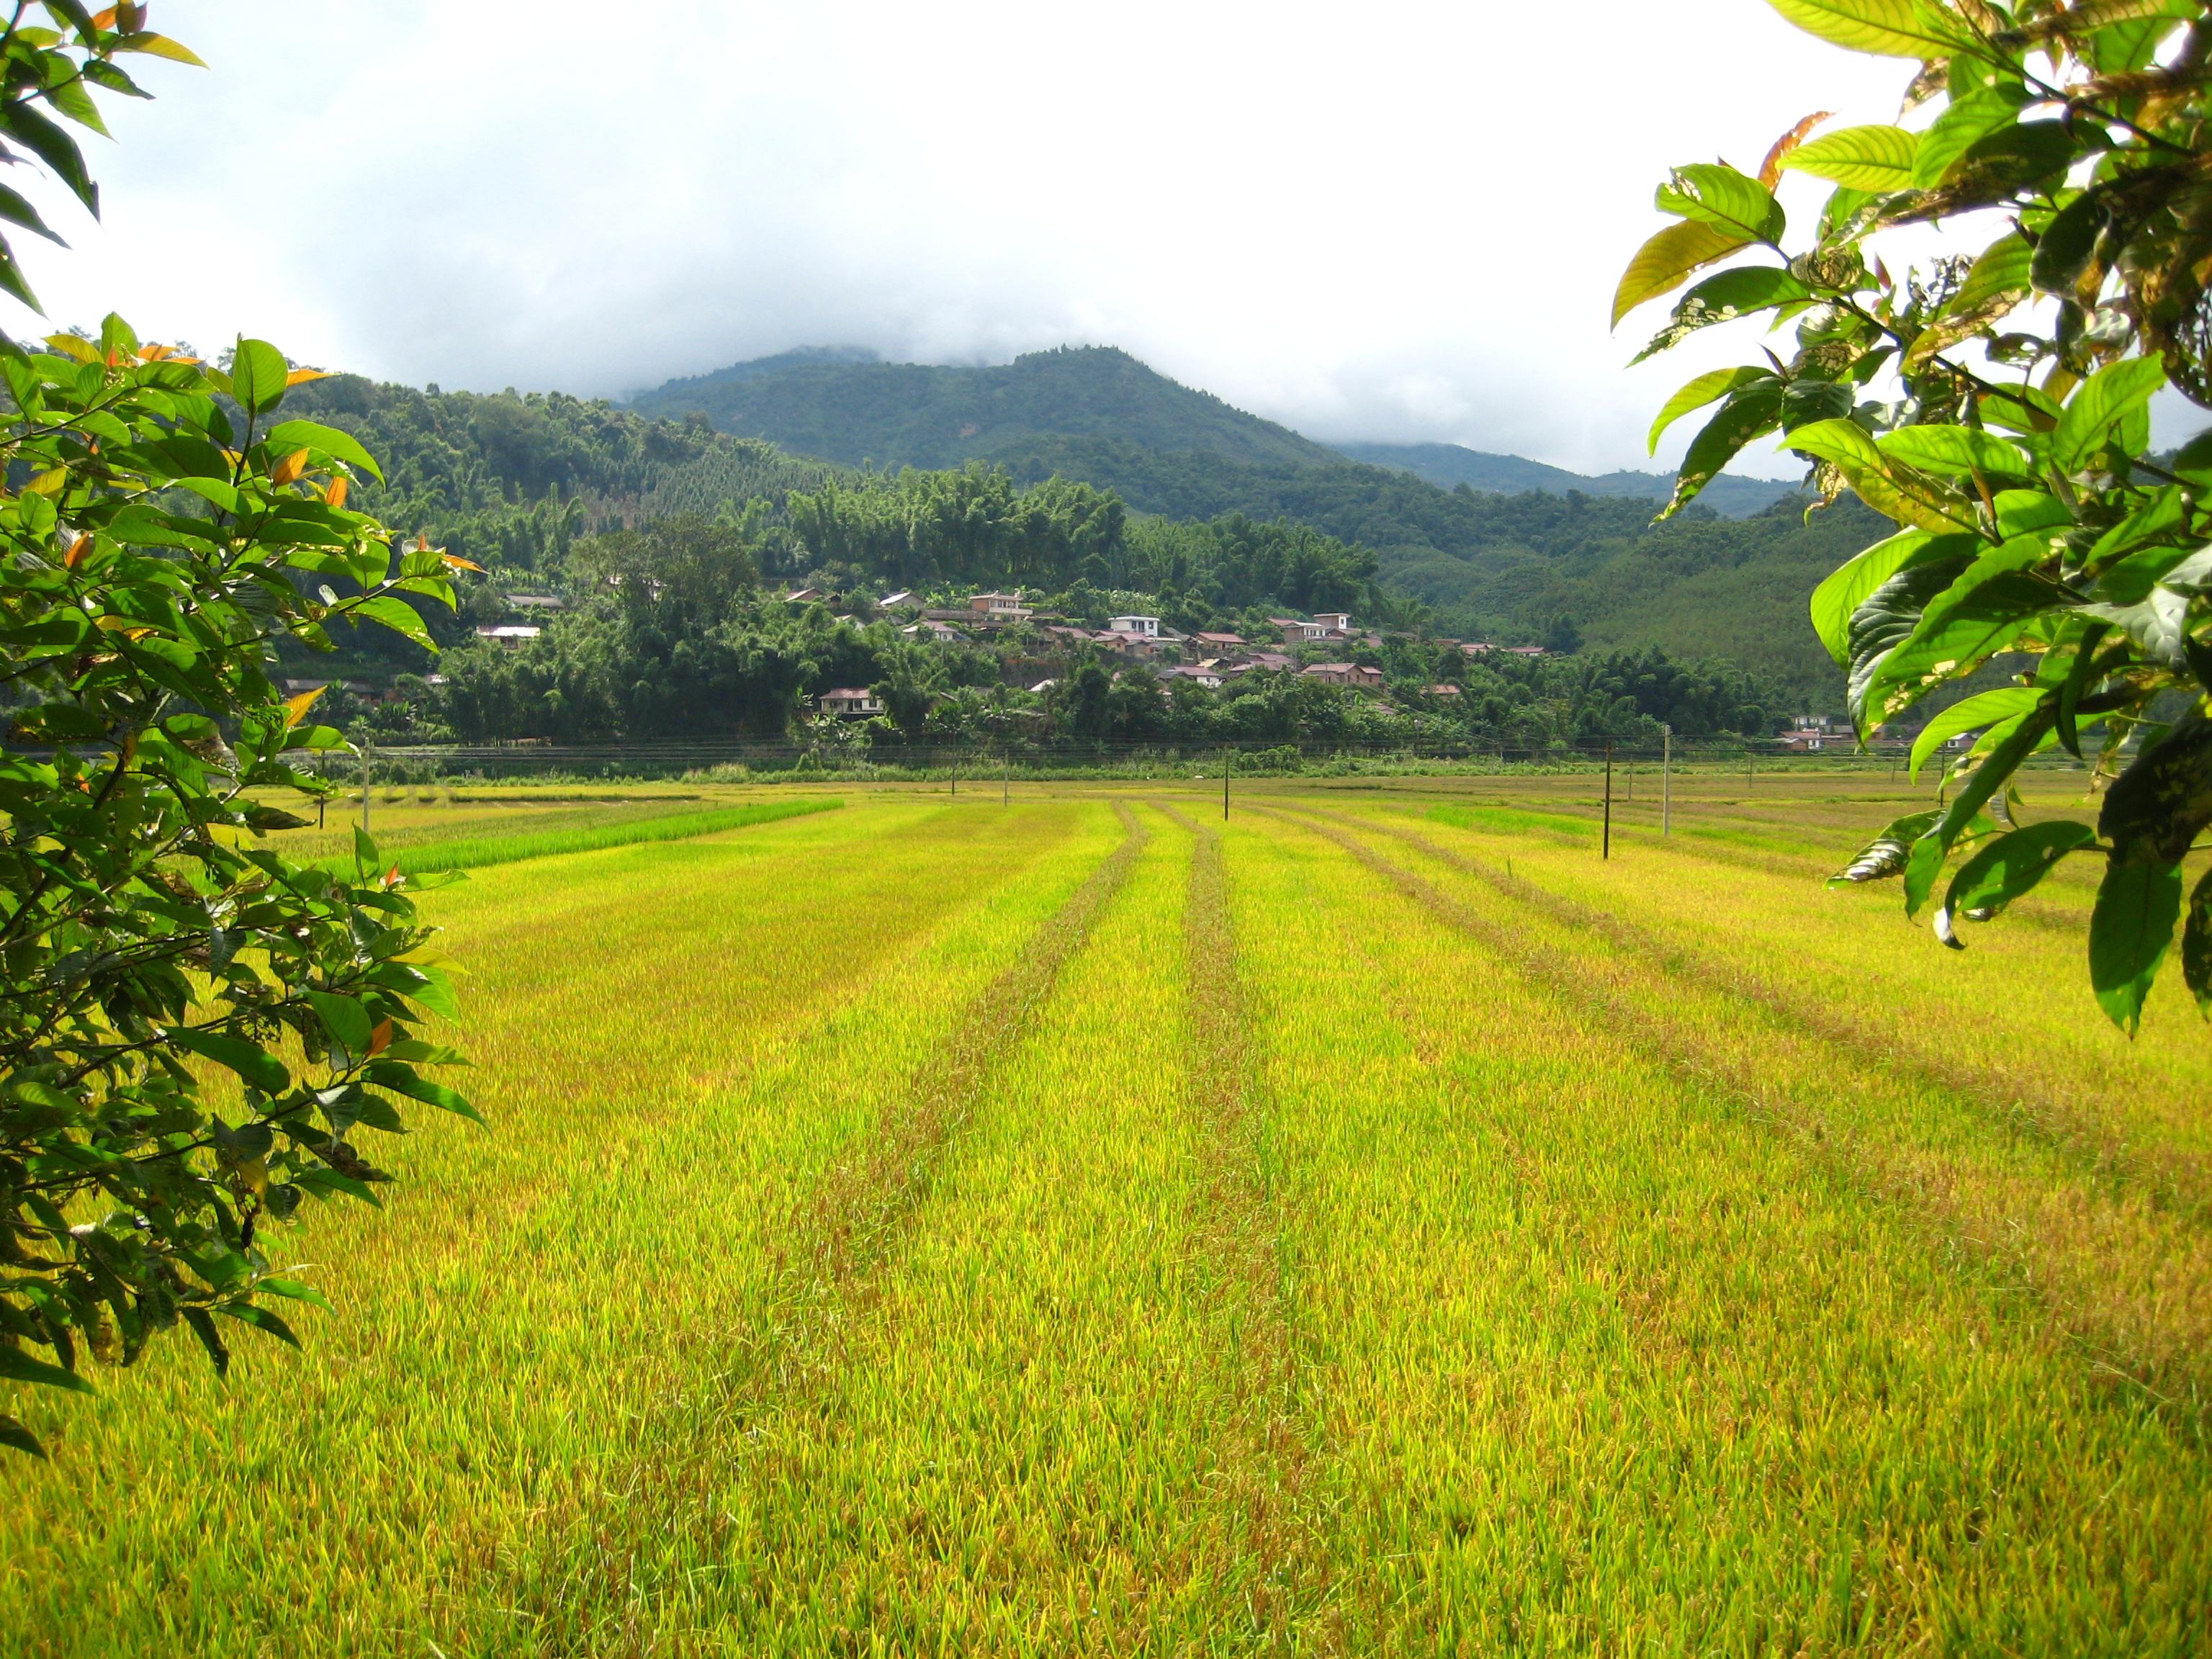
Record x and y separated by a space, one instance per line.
1209 659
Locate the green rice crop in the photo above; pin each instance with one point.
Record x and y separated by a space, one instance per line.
1376 1225
473 853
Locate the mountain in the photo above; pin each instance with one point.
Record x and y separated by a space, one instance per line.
1448 466
845 405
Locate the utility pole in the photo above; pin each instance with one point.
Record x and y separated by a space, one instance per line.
1608 798
364 786
1227 760
955 774
1006 777
1666 781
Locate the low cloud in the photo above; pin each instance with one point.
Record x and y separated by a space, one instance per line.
1404 224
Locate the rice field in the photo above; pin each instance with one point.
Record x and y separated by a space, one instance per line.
1374 1224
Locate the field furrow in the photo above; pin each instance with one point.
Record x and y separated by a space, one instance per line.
2128 1152
1278 1571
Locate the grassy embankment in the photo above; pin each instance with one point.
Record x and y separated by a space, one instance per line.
1376 1224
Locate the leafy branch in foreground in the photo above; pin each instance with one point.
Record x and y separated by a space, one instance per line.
191 1027
1998 410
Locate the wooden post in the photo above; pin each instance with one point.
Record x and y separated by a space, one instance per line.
364 788
1006 777
1667 782
1227 760
955 774
1608 798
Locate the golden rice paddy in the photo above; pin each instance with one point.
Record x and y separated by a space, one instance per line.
1374 1223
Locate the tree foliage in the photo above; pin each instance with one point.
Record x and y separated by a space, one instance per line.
1997 410
192 1028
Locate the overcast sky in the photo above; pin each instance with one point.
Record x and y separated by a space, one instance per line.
1389 220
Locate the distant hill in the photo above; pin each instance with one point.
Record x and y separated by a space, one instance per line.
1450 464
844 405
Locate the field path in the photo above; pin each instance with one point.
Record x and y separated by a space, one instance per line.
1277 1569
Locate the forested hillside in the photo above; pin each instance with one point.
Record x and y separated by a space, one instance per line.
513 482
896 415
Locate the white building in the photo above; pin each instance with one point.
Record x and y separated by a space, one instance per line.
1147 626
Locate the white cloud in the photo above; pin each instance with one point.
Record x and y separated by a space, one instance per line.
1398 221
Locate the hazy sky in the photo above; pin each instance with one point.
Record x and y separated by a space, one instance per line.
1391 220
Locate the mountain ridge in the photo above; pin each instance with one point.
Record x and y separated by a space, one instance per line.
846 403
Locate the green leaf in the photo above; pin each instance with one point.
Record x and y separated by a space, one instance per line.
292 1290
1987 709
404 1081
250 1061
2098 405
1705 389
1954 451
1725 298
256 376
1964 811
1843 443
1887 854
338 445
396 615
1967 121
1906 494
1883 28
1873 158
56 148
2156 809
1988 606
2197 946
261 1319
1924 867
436 993
2077 684
345 1019
1841 593
2005 868
1887 617
2130 930
14 1434
1715 194
2022 409
2031 154
158 46
16 1366
1664 263
2158 624
1755 410
2069 242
